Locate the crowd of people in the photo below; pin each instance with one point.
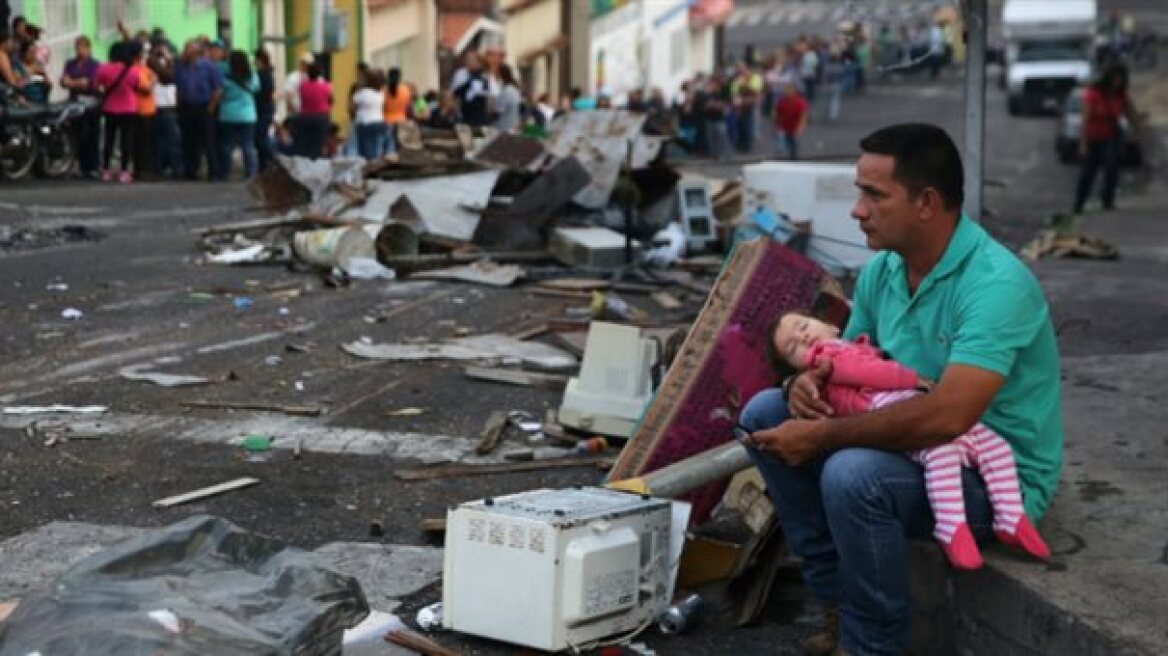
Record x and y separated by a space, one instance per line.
182 115
721 113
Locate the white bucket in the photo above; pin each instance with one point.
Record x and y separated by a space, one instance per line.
333 247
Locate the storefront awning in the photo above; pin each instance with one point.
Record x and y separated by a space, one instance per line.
709 13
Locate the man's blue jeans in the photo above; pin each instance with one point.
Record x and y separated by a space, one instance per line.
849 515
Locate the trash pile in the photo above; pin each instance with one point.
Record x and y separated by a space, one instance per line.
597 195
22 239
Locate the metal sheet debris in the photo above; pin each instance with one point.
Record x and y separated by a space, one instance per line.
483 272
52 409
139 372
447 206
478 347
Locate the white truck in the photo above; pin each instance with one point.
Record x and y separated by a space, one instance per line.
1048 51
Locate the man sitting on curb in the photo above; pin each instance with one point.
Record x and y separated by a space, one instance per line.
945 299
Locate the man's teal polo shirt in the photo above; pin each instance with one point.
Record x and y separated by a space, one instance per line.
980 306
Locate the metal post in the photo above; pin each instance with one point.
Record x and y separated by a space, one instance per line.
223 21
976 24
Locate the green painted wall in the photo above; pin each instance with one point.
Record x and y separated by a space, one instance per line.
171 15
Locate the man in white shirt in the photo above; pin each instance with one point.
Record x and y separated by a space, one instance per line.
292 83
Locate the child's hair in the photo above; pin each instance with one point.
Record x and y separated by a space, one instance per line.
778 363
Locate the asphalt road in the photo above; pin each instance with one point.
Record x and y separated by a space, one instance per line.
144 295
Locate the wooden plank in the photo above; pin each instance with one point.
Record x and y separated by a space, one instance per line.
296 410
666 300
433 525
517 377
203 493
492 432
533 331
458 470
561 293
576 284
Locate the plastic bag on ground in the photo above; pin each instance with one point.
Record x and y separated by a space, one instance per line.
201 586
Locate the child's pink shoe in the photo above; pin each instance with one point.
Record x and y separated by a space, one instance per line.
125 177
107 175
1026 538
962 550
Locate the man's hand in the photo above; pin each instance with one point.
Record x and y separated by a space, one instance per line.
804 399
795 441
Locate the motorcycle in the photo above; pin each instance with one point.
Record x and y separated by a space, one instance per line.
35 136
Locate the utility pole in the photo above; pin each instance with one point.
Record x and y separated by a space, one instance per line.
223 21
976 21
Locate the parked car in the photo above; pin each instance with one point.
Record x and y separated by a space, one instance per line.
1070 123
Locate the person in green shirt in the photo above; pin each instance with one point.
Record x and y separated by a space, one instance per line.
945 299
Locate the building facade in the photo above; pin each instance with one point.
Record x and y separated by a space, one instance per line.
535 43
403 34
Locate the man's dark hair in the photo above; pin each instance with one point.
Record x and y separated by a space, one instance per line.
924 156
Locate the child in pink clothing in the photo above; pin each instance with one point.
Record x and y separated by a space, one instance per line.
861 379
118 81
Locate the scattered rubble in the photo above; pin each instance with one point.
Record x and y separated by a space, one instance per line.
31 238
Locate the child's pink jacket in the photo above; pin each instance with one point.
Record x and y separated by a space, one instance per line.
857 370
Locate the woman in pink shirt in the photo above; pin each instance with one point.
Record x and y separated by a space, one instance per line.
117 81
312 124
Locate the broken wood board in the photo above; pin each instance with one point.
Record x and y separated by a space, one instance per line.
477 347
1068 244
666 300
576 284
433 525
483 272
139 372
407 264
295 410
517 377
294 222
721 365
6 608
206 492
561 293
459 470
533 331
492 432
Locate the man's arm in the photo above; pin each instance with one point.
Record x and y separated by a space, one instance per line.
957 402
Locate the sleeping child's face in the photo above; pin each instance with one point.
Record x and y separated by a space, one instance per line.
796 333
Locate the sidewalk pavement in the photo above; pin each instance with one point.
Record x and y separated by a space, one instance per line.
1106 590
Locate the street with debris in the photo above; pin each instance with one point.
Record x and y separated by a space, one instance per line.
339 356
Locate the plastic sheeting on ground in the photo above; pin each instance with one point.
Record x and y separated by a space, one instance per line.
201 586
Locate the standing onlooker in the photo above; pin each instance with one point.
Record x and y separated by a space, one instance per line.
790 122
350 149
369 117
117 81
715 110
147 110
509 103
936 57
196 81
834 76
396 109
167 157
312 124
473 94
236 106
1101 138
745 90
265 103
80 78
809 71
292 83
